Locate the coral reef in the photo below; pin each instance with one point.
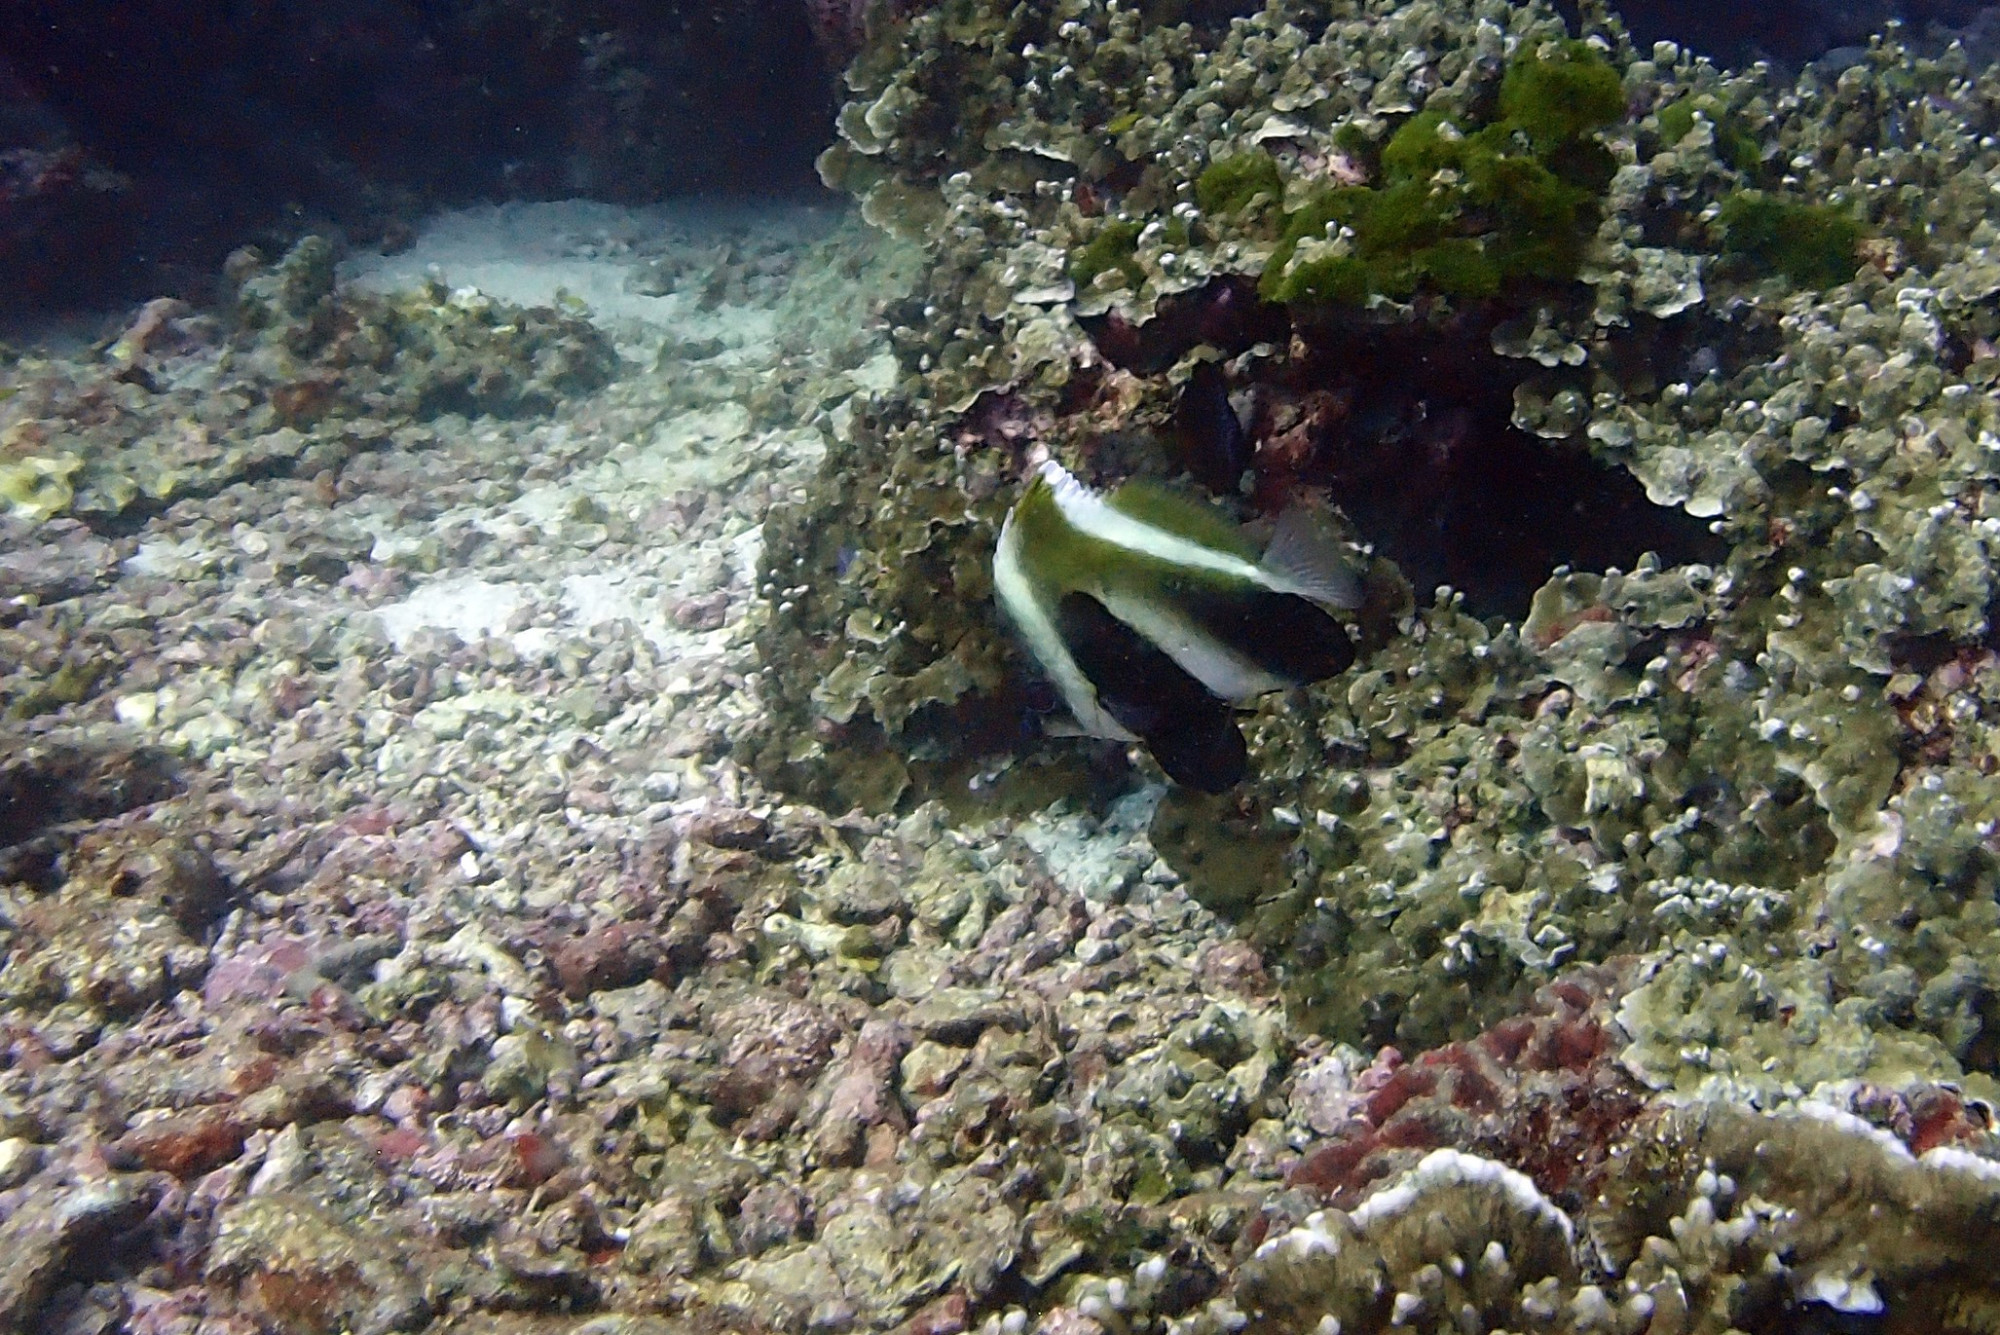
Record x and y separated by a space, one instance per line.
1712 1218
592 866
1719 704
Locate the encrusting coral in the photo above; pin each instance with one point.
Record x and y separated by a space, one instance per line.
1713 1218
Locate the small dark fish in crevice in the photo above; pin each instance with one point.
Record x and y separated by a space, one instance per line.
1214 448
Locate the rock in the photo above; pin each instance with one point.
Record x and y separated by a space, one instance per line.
861 892
771 1035
68 560
959 1015
791 1290
771 1214
303 1271
862 1095
629 1325
704 613
928 1068
38 1244
107 952
722 826
619 954
160 867
19 1160
525 1063
185 1144
636 1011
942 1316
116 935
1234 966
665 1239
351 964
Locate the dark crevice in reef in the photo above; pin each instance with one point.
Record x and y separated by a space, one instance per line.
1418 446
1689 348
1224 313
44 785
1408 428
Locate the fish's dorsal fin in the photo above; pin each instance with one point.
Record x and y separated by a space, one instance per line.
1305 558
1153 505
1062 485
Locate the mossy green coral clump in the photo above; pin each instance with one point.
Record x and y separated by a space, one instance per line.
1231 184
1813 245
1738 146
1110 251
1558 101
1464 211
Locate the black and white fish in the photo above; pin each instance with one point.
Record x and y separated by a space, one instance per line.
1154 616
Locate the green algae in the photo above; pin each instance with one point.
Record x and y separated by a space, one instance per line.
1464 211
1738 146
1111 251
1559 100
1812 245
1230 185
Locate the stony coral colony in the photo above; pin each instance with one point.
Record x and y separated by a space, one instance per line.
1662 395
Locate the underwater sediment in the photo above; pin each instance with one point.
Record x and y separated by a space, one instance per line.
586 859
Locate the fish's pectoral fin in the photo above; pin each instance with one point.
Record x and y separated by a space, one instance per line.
1190 731
1308 559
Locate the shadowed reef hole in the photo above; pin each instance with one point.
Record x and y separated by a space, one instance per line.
1409 429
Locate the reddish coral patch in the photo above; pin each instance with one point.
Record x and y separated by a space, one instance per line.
185 1144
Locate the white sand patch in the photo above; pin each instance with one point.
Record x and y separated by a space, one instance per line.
471 609
607 596
582 252
529 254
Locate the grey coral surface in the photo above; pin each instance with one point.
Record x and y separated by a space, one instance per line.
516 812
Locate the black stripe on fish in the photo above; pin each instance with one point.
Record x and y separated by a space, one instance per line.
1189 731
1214 448
1286 635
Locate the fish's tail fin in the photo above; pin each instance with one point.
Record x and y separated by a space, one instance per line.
1306 558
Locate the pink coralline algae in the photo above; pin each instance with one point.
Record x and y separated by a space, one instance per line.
839 26
842 27
1540 1091
1545 1094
